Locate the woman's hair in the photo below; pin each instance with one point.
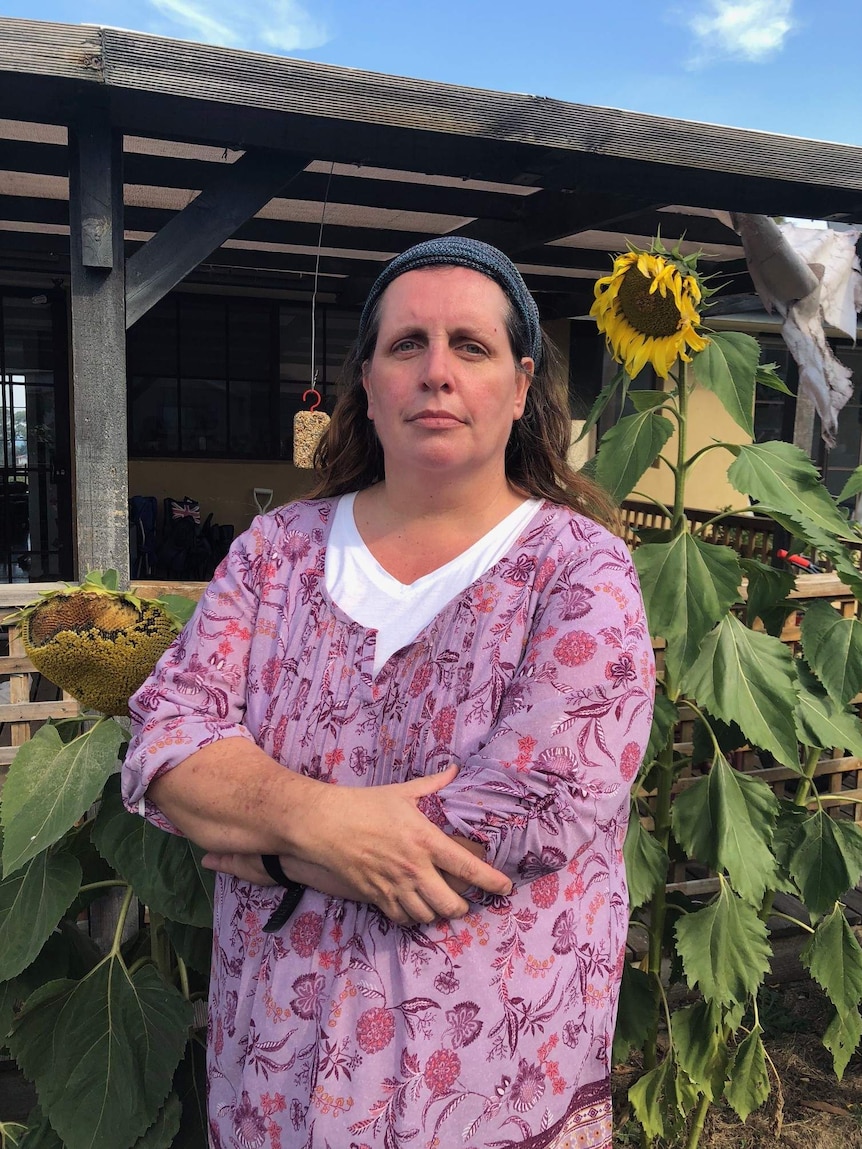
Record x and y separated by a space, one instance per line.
349 456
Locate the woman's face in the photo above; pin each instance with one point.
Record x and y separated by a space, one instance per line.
443 386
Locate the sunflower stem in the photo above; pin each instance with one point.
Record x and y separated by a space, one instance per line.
679 525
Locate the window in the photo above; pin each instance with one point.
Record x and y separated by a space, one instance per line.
213 377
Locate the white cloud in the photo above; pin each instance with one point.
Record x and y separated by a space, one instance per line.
272 25
748 30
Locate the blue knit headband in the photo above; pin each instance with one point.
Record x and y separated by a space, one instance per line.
458 251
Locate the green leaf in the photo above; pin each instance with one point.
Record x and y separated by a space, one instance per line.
653 1098
727 734
852 487
647 400
646 862
842 1038
31 902
664 719
193 943
727 367
745 677
748 1078
179 607
51 785
820 721
767 376
628 449
827 861
767 592
39 1133
604 397
833 648
833 957
784 479
699 1044
104 580
164 1129
164 869
636 1012
190 1083
102 1052
724 948
688 585
726 820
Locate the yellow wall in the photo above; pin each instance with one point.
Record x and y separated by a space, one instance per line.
221 486
707 487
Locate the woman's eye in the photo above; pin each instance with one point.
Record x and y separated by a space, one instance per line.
473 348
405 345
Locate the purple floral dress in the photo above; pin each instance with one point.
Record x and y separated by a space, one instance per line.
344 1031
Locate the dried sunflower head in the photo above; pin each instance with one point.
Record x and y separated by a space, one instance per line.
96 642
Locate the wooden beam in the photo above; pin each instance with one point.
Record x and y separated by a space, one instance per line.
551 214
212 217
98 348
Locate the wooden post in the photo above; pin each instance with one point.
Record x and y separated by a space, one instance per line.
98 344
100 462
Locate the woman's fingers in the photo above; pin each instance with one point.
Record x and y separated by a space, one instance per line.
246 867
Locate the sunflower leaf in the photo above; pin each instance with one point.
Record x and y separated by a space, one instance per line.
646 862
636 1011
724 948
833 957
664 718
853 486
783 478
688 585
31 902
727 820
647 400
653 1099
700 1049
727 367
629 448
748 1078
766 375
842 1038
827 859
833 648
604 397
164 869
745 677
50 786
102 1052
766 595
820 720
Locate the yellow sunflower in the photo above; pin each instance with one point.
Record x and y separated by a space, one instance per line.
647 309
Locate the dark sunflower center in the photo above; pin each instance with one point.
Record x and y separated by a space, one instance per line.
655 315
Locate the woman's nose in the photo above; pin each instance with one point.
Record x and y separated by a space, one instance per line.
438 367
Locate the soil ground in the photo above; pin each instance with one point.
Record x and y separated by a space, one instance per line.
810 1110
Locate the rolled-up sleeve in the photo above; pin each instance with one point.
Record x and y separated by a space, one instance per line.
553 776
197 693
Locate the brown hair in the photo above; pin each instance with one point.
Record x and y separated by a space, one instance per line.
349 456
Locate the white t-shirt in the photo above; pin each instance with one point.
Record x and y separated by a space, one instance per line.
369 595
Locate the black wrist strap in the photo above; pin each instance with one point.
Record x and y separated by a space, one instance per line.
293 892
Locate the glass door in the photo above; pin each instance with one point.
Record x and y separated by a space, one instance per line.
35 463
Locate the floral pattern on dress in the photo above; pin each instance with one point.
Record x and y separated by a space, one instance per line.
343 1029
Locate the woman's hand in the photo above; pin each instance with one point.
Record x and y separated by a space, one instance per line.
377 841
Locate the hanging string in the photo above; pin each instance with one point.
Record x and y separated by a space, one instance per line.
309 425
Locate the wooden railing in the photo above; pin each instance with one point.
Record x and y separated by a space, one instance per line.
751 536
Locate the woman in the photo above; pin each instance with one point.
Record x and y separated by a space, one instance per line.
445 635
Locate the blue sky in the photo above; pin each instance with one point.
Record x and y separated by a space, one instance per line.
789 66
